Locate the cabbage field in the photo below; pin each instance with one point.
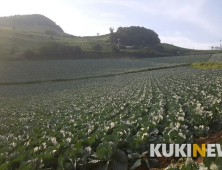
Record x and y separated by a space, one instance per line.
27 71
216 58
107 119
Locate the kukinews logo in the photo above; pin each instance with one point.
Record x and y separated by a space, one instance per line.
185 150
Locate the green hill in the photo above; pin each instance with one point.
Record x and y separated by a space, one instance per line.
35 23
29 32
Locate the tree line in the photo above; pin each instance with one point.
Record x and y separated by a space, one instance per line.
52 49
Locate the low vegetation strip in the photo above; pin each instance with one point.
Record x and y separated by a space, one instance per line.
82 78
207 65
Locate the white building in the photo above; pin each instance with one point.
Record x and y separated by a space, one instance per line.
129 47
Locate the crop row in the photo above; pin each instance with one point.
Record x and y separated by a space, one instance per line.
109 118
23 71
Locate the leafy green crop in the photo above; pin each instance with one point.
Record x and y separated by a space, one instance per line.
105 122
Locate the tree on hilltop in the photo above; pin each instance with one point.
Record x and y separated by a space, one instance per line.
135 35
111 30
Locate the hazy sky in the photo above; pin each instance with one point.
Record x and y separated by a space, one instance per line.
187 23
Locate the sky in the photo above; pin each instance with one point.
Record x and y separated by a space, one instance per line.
195 24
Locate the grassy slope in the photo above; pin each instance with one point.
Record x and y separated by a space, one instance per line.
14 42
170 47
20 40
191 51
